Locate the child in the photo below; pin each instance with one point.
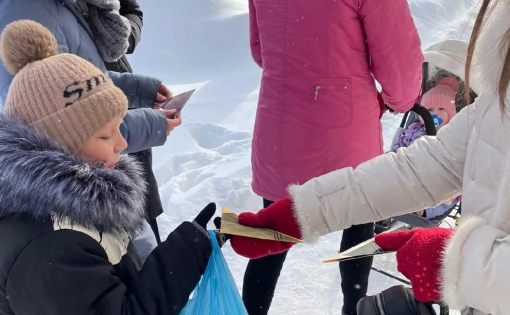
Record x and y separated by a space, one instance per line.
466 267
440 102
68 199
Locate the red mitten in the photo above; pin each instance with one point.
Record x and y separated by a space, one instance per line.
419 254
280 217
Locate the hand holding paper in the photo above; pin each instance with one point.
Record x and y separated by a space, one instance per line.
230 226
273 230
177 102
419 257
162 95
364 249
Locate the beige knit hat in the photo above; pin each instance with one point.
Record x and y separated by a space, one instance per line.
63 95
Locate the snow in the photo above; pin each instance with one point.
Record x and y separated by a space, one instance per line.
203 44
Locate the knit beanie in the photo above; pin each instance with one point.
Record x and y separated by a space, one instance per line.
63 95
442 95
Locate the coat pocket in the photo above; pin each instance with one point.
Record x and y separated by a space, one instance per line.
331 103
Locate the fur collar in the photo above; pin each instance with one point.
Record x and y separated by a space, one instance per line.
40 179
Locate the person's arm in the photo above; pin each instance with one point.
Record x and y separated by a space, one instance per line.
394 49
140 90
132 11
475 271
144 128
420 176
254 36
68 272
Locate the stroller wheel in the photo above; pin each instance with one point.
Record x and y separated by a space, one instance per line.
383 225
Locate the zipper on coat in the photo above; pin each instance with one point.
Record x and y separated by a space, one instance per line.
317 89
327 86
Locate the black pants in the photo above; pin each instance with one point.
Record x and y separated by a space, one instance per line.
355 272
262 274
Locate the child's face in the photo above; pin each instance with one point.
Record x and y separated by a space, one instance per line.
105 145
441 113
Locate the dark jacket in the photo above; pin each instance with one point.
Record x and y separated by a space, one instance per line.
63 235
74 36
153 206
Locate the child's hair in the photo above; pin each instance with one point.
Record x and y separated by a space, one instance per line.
504 80
62 95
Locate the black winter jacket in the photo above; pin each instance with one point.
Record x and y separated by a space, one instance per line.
64 236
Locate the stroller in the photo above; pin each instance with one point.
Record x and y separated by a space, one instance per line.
447 55
443 211
400 299
412 219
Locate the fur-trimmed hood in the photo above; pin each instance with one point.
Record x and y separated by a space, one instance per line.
40 179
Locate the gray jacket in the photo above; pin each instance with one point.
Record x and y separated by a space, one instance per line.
142 127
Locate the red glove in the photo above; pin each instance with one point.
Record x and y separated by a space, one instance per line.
280 217
419 255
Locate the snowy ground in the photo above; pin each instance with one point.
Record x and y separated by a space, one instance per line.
203 44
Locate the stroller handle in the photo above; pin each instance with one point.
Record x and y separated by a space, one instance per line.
428 121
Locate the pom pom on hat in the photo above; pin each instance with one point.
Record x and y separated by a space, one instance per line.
63 95
25 41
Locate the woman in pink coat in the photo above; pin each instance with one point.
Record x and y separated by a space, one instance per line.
319 109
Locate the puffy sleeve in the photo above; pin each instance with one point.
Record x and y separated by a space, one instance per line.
422 175
394 49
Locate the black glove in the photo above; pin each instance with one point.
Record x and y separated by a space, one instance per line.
222 238
205 215
217 222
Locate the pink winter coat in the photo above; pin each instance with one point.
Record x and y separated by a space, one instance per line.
318 109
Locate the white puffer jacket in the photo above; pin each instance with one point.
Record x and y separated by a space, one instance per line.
469 156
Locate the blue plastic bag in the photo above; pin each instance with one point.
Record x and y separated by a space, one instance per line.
216 293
